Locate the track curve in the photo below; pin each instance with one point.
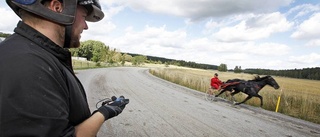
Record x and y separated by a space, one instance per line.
160 108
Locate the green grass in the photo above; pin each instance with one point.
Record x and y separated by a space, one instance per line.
77 64
299 98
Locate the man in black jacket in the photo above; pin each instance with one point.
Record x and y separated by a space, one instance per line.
39 92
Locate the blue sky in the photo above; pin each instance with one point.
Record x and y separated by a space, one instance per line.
273 34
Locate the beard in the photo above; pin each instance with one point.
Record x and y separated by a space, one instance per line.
75 40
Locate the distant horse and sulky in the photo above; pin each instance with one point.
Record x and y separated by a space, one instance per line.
250 87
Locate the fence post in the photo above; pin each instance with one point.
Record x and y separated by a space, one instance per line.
278 102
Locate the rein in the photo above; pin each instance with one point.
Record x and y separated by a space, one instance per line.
229 84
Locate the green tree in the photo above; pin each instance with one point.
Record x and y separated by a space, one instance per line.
223 67
98 52
92 50
166 64
110 56
117 57
237 69
127 57
4 35
85 50
123 59
138 60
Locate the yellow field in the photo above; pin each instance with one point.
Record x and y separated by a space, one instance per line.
299 98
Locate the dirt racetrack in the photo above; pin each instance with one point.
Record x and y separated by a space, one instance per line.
159 108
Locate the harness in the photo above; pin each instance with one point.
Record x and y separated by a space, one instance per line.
250 85
223 86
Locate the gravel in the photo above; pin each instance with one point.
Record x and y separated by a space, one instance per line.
159 108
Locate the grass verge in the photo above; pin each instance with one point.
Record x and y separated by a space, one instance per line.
299 98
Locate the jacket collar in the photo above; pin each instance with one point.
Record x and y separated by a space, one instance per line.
33 35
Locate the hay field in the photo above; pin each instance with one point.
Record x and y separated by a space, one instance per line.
299 98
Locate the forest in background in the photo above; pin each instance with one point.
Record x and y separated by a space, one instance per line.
305 73
160 60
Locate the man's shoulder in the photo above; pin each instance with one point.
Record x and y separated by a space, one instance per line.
19 45
25 56
14 42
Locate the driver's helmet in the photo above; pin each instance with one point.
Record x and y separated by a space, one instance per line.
66 17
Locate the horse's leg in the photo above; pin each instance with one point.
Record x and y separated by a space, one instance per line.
233 99
232 95
228 94
244 100
221 92
235 92
261 100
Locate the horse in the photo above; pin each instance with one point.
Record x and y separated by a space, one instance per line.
250 87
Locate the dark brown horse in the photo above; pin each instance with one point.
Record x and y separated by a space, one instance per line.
250 87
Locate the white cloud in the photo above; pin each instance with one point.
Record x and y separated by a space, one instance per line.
238 33
150 41
309 29
102 29
212 24
310 59
303 10
8 21
195 9
98 30
313 43
158 41
110 11
269 49
250 48
223 22
253 28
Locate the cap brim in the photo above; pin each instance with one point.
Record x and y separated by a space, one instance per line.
96 15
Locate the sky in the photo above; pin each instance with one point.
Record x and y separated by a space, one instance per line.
266 34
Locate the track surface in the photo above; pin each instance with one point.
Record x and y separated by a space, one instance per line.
159 108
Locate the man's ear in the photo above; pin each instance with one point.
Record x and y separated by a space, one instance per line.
56 5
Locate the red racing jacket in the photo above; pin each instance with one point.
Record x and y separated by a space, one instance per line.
215 83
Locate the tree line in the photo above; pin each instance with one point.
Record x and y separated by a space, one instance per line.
305 73
4 35
98 52
160 60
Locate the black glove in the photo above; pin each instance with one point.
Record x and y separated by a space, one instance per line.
113 108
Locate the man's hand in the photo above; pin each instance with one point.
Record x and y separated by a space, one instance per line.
114 107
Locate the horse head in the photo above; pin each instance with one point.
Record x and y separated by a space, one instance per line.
273 83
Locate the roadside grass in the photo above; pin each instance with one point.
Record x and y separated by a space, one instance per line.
299 98
78 64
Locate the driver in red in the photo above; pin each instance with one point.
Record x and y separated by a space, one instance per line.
216 82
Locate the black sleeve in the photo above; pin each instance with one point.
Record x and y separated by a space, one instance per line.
33 98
